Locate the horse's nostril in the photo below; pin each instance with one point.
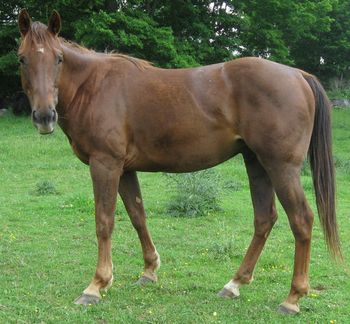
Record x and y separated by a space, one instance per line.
54 115
34 116
44 117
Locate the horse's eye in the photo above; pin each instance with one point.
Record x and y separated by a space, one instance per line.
21 60
59 59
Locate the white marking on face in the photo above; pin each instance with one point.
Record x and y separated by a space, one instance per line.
40 50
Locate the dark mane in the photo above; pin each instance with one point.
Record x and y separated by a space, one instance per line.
141 64
38 35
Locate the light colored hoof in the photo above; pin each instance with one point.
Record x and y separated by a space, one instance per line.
86 299
287 308
144 281
225 293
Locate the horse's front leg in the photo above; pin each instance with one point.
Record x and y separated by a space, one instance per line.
105 174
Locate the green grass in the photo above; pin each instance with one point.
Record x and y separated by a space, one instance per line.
48 247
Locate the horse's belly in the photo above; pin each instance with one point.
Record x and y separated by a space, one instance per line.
187 157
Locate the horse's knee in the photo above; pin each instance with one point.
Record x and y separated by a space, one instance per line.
104 226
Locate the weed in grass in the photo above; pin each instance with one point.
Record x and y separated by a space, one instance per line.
196 194
233 185
342 164
45 188
82 204
222 250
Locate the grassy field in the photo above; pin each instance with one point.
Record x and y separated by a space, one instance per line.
48 247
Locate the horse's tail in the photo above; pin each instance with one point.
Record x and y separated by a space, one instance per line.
322 167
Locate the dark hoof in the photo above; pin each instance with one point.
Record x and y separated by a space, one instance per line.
287 308
85 299
225 293
144 281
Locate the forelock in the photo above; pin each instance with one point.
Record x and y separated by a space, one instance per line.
38 34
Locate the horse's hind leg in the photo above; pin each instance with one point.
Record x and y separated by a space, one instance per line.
264 218
130 193
286 181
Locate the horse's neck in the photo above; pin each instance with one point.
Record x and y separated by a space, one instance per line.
76 70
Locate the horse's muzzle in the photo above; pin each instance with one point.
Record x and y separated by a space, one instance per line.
44 120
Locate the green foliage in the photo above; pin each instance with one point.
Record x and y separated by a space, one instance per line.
335 44
131 32
287 31
340 89
195 194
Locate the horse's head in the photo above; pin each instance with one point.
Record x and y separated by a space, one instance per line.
40 57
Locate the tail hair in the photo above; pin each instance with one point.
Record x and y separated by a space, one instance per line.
322 166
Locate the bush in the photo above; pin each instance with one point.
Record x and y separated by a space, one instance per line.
196 194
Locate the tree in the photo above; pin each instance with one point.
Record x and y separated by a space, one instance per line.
128 31
181 33
280 30
9 37
335 48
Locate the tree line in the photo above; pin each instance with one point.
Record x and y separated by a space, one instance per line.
313 35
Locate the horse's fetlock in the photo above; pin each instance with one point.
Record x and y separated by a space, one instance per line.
152 260
301 288
244 278
103 280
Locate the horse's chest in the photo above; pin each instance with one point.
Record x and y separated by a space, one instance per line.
80 152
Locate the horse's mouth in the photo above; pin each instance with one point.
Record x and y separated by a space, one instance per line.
46 133
45 129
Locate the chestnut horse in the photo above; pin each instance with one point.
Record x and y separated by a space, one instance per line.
123 115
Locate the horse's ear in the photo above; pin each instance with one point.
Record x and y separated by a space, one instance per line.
54 25
24 22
